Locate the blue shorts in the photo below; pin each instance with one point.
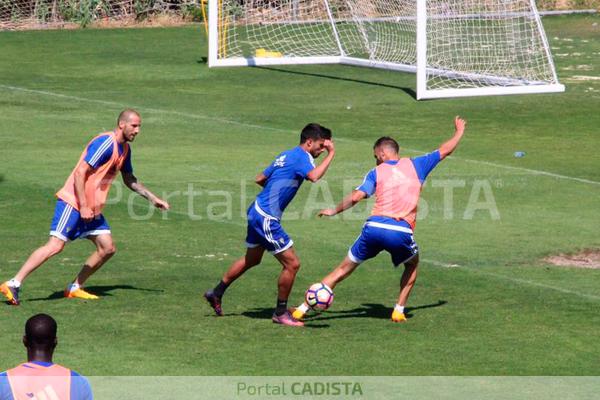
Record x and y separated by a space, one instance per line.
266 231
395 238
67 225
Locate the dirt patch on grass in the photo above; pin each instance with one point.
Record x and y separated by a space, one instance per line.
584 259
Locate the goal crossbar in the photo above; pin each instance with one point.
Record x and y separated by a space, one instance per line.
497 52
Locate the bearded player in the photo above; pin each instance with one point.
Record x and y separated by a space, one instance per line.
396 183
78 211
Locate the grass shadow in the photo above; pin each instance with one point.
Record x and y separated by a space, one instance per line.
369 310
101 291
406 90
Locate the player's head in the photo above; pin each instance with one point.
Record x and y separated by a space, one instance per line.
384 149
40 335
313 138
129 122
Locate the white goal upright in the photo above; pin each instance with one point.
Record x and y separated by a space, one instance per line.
455 47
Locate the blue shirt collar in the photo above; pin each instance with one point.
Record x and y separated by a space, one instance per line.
41 363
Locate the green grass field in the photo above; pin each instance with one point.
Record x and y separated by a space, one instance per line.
502 311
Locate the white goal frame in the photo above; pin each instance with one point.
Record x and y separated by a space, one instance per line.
421 69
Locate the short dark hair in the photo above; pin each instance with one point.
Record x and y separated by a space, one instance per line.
40 330
386 141
315 132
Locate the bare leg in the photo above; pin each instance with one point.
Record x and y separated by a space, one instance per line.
340 273
291 264
105 249
409 277
40 256
252 258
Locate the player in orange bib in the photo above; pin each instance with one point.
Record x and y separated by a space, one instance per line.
39 378
78 211
396 183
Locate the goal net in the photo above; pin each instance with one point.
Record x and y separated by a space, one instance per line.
455 47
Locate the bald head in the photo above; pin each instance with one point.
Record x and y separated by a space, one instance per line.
40 332
128 125
126 115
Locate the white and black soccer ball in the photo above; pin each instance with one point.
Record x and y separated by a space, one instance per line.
319 296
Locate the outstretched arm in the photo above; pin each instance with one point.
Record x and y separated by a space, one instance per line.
348 202
448 147
132 183
319 171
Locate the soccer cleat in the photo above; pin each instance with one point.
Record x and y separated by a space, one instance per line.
11 293
80 294
286 319
397 316
214 301
300 311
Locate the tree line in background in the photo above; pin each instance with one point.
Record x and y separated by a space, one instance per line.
45 13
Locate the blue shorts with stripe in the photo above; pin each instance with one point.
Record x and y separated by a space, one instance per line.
67 224
381 233
266 231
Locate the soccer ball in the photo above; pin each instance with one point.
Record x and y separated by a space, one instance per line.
319 296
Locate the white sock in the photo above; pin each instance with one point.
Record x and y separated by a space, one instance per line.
303 307
13 283
73 287
399 308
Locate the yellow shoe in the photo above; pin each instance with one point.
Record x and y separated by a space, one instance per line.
298 314
11 293
80 294
300 311
398 316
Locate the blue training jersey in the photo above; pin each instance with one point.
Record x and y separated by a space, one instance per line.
100 150
80 387
284 177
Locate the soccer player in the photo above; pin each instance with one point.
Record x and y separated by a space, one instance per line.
39 378
396 183
280 181
78 212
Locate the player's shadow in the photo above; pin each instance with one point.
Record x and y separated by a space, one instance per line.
101 291
406 90
369 310
267 314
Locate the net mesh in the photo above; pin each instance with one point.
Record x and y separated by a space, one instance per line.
474 43
470 43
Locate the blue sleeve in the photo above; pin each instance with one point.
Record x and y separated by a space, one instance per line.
425 164
99 151
278 162
369 183
127 166
305 164
5 392
80 387
269 170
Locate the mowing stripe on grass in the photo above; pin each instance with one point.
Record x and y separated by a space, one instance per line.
434 263
247 125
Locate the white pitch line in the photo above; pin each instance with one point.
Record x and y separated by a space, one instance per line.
436 263
227 121
439 263
532 283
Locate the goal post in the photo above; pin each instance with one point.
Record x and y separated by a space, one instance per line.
455 47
